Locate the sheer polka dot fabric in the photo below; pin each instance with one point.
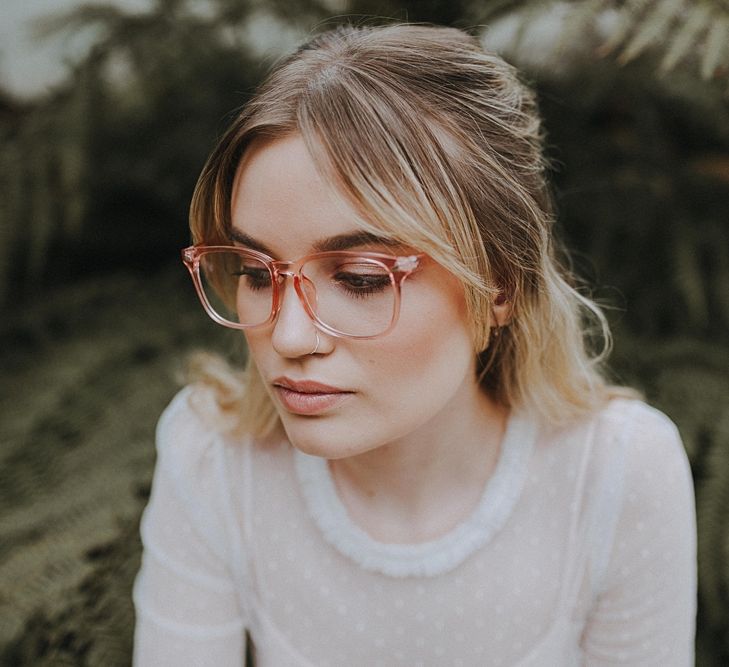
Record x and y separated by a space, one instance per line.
582 551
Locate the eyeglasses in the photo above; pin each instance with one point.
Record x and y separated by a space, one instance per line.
346 294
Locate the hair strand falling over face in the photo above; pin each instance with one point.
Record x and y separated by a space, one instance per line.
436 143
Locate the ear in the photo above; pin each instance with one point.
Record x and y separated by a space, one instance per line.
501 308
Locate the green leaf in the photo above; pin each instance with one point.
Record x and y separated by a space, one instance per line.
579 21
686 36
655 25
714 46
628 15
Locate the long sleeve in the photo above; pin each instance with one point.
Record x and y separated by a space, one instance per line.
185 592
646 609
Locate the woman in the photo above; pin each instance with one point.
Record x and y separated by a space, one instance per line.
423 463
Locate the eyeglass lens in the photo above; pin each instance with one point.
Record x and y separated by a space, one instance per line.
353 295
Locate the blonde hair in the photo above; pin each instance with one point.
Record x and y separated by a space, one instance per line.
438 144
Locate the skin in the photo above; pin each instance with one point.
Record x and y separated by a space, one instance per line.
411 450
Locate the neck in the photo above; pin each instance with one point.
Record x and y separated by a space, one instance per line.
419 487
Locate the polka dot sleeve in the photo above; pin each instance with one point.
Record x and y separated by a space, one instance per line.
645 611
184 594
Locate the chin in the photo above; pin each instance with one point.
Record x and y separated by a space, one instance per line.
315 437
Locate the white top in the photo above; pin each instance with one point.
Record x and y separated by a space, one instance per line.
582 550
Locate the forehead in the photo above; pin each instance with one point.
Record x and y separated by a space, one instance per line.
280 199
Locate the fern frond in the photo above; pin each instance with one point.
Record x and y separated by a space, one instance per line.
715 45
621 31
579 23
677 28
657 22
679 25
686 37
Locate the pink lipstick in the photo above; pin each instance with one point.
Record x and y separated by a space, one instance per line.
307 397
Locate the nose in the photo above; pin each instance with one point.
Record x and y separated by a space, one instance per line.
294 334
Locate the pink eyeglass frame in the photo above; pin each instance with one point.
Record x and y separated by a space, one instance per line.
399 268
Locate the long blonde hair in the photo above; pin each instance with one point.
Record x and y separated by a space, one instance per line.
438 144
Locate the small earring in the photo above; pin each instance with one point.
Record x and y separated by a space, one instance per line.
495 332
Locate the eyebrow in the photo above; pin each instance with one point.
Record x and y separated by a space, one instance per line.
338 242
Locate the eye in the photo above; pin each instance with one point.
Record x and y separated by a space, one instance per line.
363 279
256 277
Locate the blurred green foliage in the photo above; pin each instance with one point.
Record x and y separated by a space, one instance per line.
100 172
97 175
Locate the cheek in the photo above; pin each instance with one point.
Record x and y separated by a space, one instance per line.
258 345
253 342
428 352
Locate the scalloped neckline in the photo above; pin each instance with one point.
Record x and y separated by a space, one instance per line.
432 557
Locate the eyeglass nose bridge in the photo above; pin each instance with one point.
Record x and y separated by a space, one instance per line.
283 269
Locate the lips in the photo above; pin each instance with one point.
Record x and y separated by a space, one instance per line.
308 397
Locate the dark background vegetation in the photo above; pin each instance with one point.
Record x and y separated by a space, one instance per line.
98 315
